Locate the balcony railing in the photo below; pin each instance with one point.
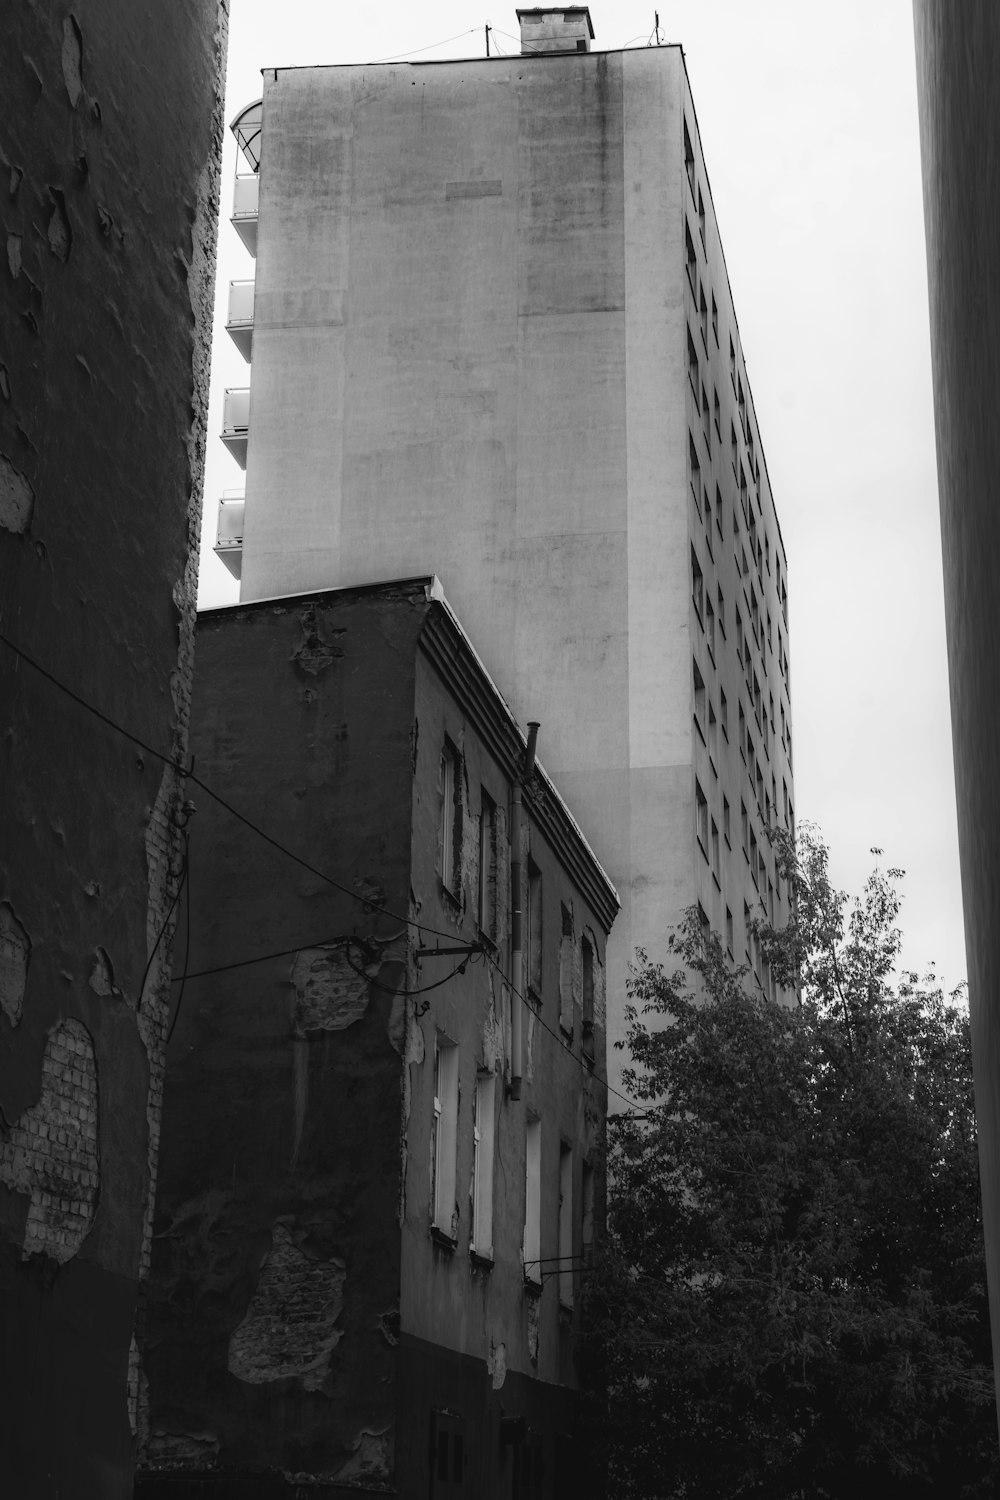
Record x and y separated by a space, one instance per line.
229 537
239 322
246 196
236 422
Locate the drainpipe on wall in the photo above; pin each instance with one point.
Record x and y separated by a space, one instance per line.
516 926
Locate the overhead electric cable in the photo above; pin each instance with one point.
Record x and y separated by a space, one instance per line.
413 51
189 774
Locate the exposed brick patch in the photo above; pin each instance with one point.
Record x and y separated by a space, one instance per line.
329 993
51 1152
372 1457
15 950
182 1450
289 1327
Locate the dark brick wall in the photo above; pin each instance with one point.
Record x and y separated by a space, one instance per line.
109 145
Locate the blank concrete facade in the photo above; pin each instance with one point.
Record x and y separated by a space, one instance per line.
958 54
494 339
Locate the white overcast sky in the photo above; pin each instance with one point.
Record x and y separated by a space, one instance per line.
808 121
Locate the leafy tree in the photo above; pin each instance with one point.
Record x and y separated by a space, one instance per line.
792 1299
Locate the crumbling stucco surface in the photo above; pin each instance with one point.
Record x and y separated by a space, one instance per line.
496 1364
15 950
51 1152
16 494
289 1328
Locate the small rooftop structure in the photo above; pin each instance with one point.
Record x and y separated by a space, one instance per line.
568 29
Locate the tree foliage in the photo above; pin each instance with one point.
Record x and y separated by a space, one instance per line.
792 1300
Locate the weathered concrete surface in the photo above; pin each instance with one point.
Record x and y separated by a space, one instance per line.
109 147
470 358
958 56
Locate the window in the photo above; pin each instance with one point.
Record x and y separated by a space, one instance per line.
770 645
487 867
706 421
745 828
699 698
717 415
741 402
721 611
708 523
784 801
695 476
734 450
732 362
688 158
713 737
566 1225
451 819
697 585
483 1122
729 932
701 817
587 965
715 849
444 1143
715 320
534 924
753 855
725 820
724 712
701 217
531 1251
448 1458
587 1197
690 257
567 950
703 312
693 366
743 732
710 625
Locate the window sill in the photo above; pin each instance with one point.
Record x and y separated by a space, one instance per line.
442 1238
450 898
532 1287
481 1259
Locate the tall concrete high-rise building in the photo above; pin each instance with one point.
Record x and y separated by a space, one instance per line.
957 48
492 337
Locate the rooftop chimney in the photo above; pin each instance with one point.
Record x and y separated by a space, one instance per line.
569 29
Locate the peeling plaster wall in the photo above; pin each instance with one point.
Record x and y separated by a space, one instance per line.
109 149
274 1311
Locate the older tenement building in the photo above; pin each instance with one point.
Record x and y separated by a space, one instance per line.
493 338
382 1167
